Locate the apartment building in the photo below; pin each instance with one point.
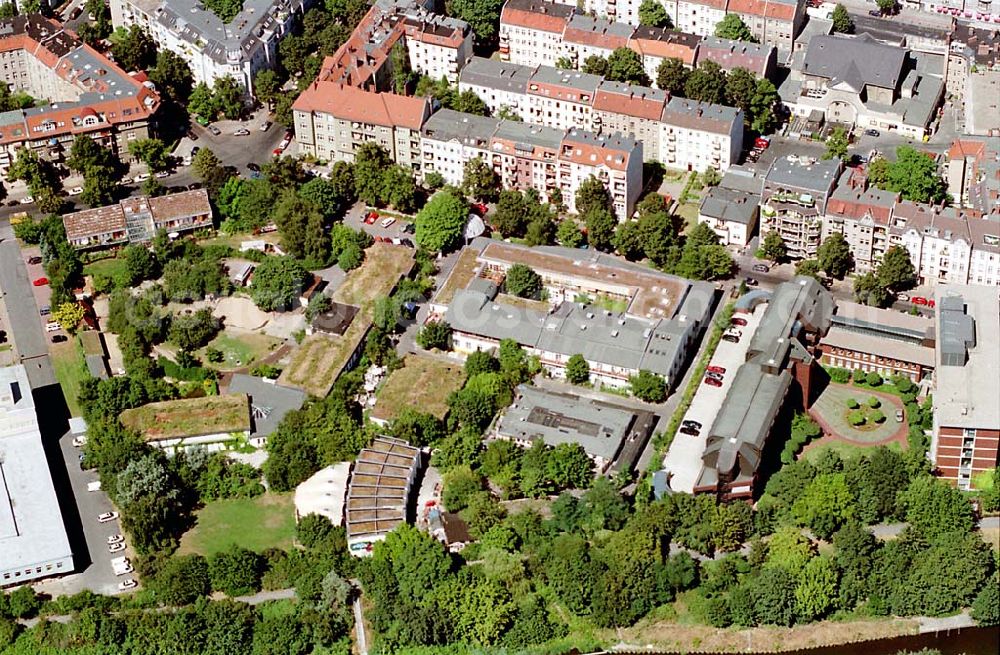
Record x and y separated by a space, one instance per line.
862 82
966 433
793 201
758 58
138 219
732 208
536 33
437 46
212 48
332 120
33 539
677 132
973 175
862 214
699 135
86 92
530 156
663 317
946 245
531 31
882 341
773 22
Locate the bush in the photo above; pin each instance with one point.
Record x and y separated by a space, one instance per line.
877 416
873 379
840 375
852 403
874 402
859 376
856 418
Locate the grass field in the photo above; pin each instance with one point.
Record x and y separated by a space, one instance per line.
255 523
242 349
110 267
423 383
70 370
844 449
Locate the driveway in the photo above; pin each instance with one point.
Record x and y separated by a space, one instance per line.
683 460
22 312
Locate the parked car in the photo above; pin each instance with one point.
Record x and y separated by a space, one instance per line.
116 548
51 326
714 376
191 135
387 221
899 416
127 584
162 174
34 260
277 151
874 133
26 200
409 228
875 12
195 150
41 281
44 310
407 243
265 126
730 338
253 167
735 332
919 300
712 382
242 132
73 15
123 570
59 338
902 297
141 177
738 321
80 442
115 539
694 424
107 517
214 130
721 370
688 431
480 208
370 218
750 282
193 186
761 143
75 191
760 268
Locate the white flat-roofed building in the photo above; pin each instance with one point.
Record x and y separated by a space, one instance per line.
213 48
324 494
33 541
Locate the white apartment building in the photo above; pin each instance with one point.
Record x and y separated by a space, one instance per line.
530 156
793 201
677 132
212 48
531 31
699 16
438 45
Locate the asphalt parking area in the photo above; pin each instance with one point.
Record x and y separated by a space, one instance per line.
683 460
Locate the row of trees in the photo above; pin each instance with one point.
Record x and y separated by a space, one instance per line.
757 97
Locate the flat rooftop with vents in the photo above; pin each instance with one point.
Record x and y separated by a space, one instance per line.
33 541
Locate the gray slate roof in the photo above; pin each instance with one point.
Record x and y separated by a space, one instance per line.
730 205
269 401
855 60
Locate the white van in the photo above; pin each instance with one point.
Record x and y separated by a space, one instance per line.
51 326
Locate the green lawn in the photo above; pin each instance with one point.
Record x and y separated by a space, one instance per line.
110 267
267 521
243 349
844 449
70 370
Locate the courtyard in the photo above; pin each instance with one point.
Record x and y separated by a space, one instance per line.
835 412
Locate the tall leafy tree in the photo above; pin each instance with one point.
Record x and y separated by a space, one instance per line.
480 181
895 271
133 48
707 83
671 76
773 247
592 194
653 14
440 224
732 27
842 20
835 256
277 283
625 65
915 176
483 16
172 76
836 145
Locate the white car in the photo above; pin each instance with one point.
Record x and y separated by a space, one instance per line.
902 297
125 570
162 174
75 191
141 177
115 539
386 222
107 517
27 200
115 548
52 326
80 442
127 584
242 132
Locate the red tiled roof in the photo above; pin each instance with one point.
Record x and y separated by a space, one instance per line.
632 104
961 149
354 104
544 16
594 39
763 8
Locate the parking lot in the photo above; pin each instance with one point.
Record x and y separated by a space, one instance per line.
683 460
355 218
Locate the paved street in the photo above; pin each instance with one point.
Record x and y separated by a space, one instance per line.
22 312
